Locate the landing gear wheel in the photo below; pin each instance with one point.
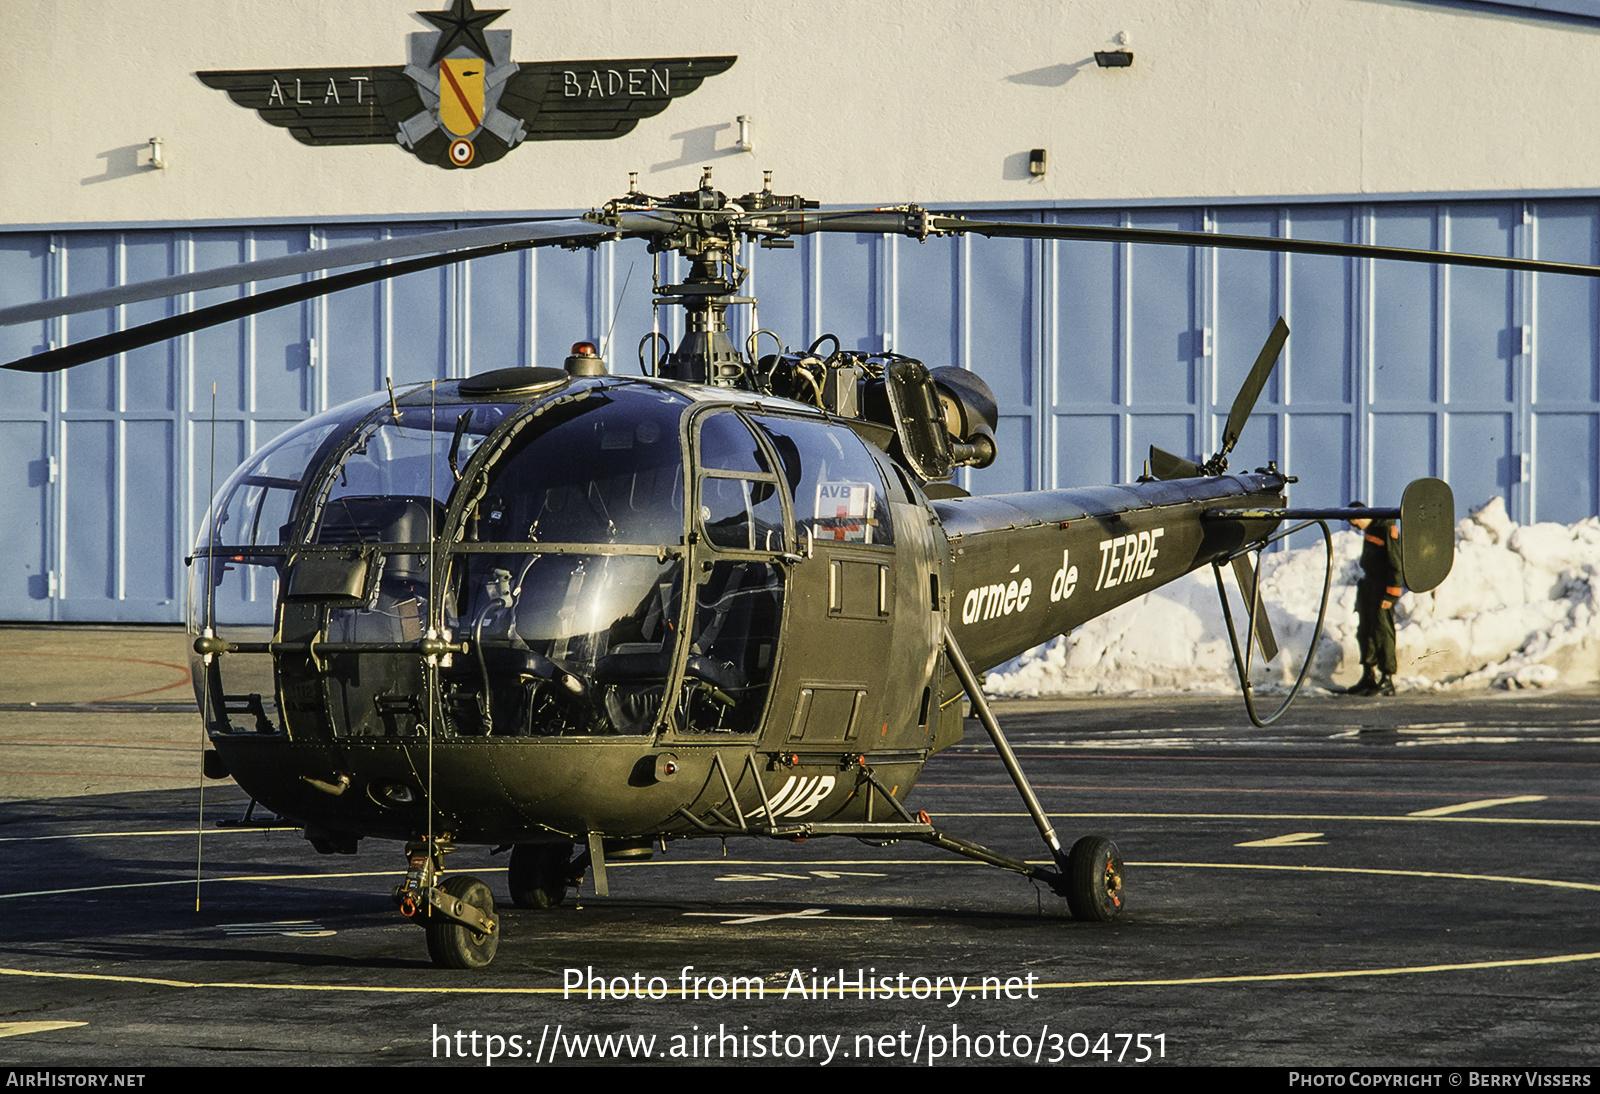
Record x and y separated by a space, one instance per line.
537 874
454 946
1094 880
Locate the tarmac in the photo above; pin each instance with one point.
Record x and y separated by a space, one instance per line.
95 710
1369 883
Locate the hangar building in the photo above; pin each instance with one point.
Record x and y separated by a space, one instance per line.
1439 124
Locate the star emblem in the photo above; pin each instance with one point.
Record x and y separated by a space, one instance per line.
460 25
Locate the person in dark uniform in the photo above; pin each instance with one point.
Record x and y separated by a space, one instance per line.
1376 594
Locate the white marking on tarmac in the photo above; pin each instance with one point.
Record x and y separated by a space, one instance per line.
289 928
1293 839
809 913
1484 803
845 873
17 1029
829 874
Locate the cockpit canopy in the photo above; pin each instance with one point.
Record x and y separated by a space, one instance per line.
593 551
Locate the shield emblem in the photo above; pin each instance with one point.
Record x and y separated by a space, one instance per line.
461 95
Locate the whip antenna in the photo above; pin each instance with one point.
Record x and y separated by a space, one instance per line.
205 688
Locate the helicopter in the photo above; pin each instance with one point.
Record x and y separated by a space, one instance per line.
579 614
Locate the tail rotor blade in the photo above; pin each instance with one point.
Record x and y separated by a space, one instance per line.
1245 401
1246 576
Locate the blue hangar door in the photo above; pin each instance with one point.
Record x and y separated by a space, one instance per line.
1095 351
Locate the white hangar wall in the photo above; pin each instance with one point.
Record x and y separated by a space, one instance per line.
932 100
1096 351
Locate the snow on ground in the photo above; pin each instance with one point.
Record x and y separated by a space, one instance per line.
1521 608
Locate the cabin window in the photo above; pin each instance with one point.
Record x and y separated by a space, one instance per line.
838 488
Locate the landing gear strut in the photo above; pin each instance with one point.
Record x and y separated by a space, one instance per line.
458 915
1090 875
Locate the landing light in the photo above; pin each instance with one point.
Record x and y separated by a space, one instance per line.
394 794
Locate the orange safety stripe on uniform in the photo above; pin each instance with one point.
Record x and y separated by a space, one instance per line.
1374 539
1394 532
1394 590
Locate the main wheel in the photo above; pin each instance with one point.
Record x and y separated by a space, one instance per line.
1094 879
457 947
537 874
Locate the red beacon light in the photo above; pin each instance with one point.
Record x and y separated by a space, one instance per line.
585 360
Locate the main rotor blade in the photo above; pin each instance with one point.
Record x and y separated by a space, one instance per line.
1024 230
171 327
920 223
1245 401
357 254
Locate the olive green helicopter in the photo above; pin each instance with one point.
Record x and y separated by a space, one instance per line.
579 614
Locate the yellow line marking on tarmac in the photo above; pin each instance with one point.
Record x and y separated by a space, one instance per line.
1485 803
1293 839
1249 978
158 832
722 864
1063 985
1409 818
1425 815
17 1029
213 881
1548 882
1330 974
719 864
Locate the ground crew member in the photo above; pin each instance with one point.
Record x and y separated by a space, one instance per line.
1376 594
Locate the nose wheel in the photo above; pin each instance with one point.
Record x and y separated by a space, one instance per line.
452 942
457 915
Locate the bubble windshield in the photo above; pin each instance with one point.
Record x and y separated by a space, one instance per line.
574 642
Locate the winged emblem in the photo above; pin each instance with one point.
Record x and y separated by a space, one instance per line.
460 100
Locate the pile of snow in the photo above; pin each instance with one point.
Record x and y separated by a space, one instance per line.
1521 608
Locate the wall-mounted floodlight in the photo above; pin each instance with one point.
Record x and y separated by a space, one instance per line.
1119 57
156 163
1036 163
744 134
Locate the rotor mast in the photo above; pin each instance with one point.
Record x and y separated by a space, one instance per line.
707 354
706 228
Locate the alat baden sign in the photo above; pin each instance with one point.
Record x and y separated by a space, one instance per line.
461 101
